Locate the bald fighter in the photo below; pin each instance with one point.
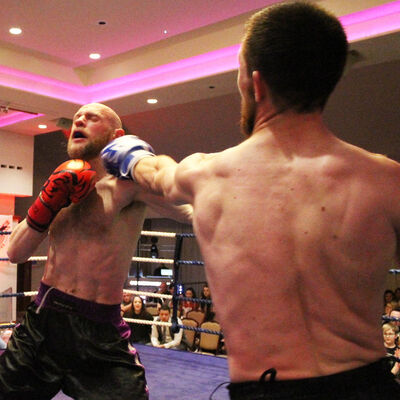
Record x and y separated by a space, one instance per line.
325 215
73 337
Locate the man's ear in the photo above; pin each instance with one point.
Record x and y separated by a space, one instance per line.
260 87
118 133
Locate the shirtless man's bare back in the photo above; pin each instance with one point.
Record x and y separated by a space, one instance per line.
77 338
293 215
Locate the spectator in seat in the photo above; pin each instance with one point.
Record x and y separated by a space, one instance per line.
140 333
207 309
162 336
392 350
187 305
126 301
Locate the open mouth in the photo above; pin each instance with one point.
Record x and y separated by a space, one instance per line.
78 135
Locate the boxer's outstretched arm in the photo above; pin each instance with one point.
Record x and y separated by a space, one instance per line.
129 157
163 176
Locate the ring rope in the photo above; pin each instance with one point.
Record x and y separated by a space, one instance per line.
138 259
385 318
10 325
148 294
135 292
190 262
167 234
195 300
19 294
143 233
145 322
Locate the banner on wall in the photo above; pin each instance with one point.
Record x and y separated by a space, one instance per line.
5 226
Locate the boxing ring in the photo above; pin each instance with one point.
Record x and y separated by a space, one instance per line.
169 373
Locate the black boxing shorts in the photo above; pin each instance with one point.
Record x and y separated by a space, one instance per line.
372 382
74 345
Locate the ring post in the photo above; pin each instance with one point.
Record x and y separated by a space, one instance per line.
177 256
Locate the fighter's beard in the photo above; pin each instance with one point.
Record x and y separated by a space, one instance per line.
248 114
89 151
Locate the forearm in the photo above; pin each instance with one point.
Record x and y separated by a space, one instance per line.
156 174
23 242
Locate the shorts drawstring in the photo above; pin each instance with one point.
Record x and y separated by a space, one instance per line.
43 299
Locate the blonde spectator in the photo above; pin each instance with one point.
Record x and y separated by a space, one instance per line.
392 351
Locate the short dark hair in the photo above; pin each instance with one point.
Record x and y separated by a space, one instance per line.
300 50
165 307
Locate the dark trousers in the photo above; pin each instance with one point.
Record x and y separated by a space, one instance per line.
372 382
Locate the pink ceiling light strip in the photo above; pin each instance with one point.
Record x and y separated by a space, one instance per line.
16 117
372 22
363 24
188 69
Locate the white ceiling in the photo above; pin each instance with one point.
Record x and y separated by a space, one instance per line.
46 70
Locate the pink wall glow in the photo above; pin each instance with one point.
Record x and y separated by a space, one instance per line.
367 23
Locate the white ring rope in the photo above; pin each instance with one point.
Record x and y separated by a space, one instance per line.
136 292
148 294
147 322
140 259
33 293
161 234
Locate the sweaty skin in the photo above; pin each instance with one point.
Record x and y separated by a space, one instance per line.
91 243
297 237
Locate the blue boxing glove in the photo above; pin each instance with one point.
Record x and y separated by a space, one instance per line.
121 155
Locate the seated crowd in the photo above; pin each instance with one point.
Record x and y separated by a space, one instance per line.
133 307
391 329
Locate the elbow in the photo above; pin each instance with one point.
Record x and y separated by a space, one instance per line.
14 257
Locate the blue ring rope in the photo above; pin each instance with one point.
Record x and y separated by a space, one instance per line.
193 299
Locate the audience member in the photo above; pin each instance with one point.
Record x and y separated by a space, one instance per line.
392 350
162 336
207 309
387 310
126 301
389 338
140 333
187 305
163 289
389 297
397 296
171 292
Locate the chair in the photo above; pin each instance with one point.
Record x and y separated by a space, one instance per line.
208 341
198 316
190 335
152 310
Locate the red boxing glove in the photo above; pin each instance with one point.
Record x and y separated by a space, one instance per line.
70 182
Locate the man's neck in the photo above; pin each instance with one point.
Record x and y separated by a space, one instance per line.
97 165
292 131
